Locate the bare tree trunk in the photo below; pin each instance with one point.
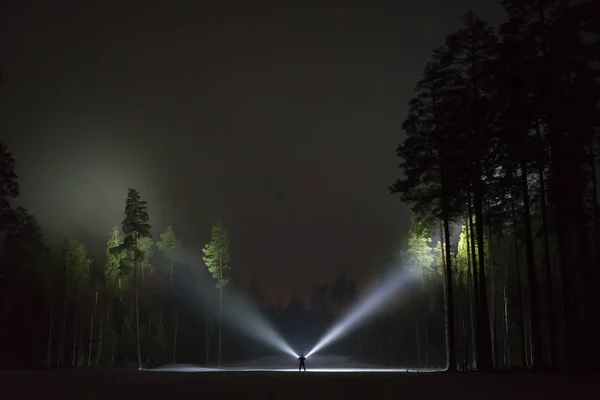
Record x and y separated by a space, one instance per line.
100 335
485 353
49 351
493 326
418 344
81 348
175 337
547 269
112 353
534 308
220 325
520 295
74 343
207 335
63 332
449 295
471 297
92 327
137 311
425 330
507 360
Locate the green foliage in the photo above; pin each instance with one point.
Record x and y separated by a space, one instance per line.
145 245
169 245
73 259
117 270
135 225
216 254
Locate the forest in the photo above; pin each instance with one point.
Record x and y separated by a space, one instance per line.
498 165
502 141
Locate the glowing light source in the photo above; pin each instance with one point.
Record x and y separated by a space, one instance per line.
370 303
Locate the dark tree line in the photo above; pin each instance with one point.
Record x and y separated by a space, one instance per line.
63 307
502 140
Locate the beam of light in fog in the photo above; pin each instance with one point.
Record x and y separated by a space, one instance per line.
358 314
240 314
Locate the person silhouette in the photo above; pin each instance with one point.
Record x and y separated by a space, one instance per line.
302 358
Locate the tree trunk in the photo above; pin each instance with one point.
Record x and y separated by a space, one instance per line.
485 353
137 311
505 319
561 231
417 342
100 335
425 331
220 325
63 332
471 297
207 335
81 348
531 273
449 292
507 360
112 356
520 294
92 327
548 268
74 343
49 351
493 326
170 277
175 337
476 302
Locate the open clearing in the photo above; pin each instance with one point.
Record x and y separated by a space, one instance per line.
131 384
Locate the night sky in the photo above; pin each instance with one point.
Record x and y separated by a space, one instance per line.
282 120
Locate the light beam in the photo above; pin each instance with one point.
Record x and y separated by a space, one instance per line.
357 315
239 313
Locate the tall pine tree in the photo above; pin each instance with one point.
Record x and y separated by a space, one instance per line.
135 226
217 258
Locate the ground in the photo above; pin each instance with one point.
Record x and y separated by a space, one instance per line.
236 382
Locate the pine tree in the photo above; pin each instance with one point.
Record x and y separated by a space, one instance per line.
135 227
9 188
217 259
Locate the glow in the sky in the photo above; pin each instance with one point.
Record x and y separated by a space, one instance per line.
357 315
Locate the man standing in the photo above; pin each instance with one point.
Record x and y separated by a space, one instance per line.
302 358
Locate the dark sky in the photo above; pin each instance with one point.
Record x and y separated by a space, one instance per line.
282 120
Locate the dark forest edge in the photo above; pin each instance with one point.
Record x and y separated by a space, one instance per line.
501 141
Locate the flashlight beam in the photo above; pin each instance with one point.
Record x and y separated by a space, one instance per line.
356 316
245 317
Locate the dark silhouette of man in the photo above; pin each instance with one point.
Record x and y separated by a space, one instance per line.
302 358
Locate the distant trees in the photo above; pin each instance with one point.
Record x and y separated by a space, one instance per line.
501 138
9 187
73 260
217 260
169 246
